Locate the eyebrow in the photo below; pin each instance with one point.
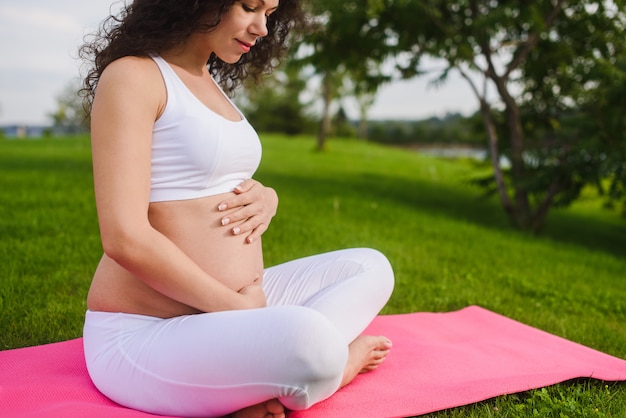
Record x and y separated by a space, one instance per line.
263 4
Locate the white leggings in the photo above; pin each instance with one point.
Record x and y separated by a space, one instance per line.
212 364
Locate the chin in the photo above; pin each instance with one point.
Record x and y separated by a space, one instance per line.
232 59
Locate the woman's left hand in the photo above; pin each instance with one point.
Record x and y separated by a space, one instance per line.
255 204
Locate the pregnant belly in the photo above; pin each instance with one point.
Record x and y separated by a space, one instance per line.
195 227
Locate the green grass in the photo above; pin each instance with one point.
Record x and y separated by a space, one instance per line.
449 246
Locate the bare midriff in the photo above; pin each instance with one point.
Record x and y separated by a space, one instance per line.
195 227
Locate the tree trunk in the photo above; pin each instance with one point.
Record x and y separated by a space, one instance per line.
361 132
324 127
365 101
492 137
521 215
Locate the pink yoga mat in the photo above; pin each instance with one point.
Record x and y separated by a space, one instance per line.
445 360
438 361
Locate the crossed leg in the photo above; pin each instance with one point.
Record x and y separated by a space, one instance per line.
299 350
333 279
366 353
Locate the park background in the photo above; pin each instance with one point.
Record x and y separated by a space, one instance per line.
391 184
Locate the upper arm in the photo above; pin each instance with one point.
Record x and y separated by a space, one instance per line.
129 98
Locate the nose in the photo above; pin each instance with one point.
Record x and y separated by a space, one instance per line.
258 27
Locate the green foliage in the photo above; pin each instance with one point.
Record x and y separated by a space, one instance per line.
69 116
449 248
451 129
274 105
345 50
538 69
605 128
341 125
542 59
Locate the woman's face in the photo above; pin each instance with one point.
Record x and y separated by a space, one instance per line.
239 29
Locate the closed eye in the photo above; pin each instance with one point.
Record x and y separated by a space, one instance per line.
248 8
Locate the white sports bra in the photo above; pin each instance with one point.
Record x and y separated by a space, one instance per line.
196 152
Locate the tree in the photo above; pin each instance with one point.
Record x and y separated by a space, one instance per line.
344 44
605 128
273 104
541 60
341 125
70 116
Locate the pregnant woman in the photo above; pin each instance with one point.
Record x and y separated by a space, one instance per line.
183 318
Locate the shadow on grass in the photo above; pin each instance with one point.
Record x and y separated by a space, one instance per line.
466 205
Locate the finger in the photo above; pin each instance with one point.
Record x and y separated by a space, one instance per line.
245 186
245 193
235 202
248 226
256 234
243 214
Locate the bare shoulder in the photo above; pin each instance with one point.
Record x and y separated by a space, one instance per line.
133 70
133 79
132 67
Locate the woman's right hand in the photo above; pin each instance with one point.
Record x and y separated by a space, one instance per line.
254 296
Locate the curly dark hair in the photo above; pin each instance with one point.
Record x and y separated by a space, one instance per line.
146 27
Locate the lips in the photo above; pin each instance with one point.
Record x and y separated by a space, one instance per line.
245 46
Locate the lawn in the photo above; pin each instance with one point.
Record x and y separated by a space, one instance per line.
450 248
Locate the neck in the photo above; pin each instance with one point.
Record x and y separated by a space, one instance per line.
188 59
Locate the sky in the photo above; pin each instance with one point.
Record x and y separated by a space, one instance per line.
39 40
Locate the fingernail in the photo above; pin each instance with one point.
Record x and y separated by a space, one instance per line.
221 207
249 239
225 221
236 230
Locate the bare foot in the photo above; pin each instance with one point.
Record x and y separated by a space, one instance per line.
268 409
366 353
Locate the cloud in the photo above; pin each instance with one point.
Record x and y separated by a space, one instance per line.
39 41
39 48
39 38
415 98
37 19
28 96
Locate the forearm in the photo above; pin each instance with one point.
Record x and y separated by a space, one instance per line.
156 260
